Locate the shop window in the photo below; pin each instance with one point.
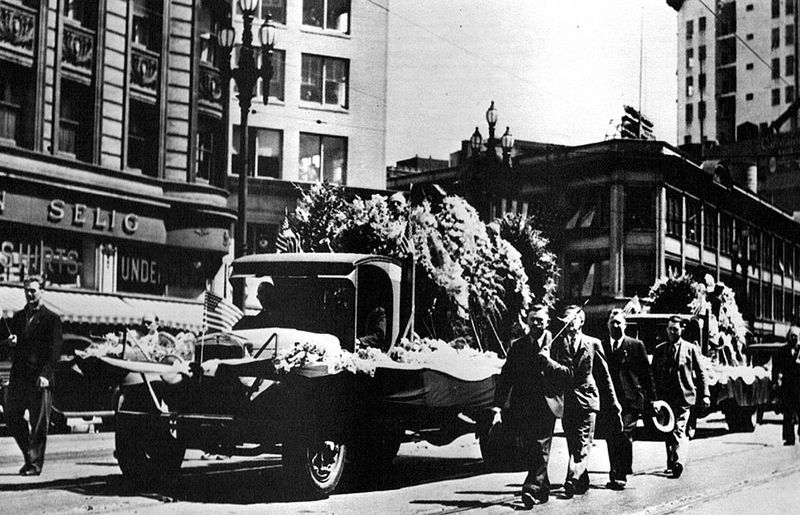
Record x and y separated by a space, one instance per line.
75 131
766 298
710 228
766 252
693 225
324 80
327 14
725 234
266 152
589 210
143 138
323 158
589 278
639 209
674 214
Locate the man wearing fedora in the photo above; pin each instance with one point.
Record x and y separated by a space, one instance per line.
680 380
633 383
34 335
535 399
589 386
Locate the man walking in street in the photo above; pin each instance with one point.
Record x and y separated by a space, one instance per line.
789 384
633 384
680 380
35 338
581 358
535 401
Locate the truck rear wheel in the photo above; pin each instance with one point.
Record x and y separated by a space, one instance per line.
741 419
314 466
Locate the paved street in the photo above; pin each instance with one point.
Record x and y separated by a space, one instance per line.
727 473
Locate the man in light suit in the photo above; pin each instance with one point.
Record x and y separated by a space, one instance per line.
589 386
35 338
535 401
680 380
633 384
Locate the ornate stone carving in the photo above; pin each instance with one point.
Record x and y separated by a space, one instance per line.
17 27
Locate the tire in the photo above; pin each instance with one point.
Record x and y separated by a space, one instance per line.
313 467
146 453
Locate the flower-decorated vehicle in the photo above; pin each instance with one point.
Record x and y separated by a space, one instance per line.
302 380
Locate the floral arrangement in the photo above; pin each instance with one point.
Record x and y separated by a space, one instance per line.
144 348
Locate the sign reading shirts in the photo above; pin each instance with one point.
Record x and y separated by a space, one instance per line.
152 270
58 258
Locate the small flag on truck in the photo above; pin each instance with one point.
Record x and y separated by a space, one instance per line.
287 240
219 314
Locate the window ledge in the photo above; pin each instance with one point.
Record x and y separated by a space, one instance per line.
319 107
310 29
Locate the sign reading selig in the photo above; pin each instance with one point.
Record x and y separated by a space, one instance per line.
60 214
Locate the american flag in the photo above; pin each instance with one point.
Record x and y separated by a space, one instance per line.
287 240
219 314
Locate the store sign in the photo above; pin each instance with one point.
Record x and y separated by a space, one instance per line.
94 218
149 271
59 261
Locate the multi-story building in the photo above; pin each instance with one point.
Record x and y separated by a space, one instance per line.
112 155
623 213
326 115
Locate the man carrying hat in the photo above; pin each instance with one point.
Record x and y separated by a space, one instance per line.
589 385
680 380
633 383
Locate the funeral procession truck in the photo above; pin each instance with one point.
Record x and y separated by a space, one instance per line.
302 386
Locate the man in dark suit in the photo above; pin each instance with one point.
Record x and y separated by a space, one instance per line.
680 380
267 317
633 384
789 383
35 339
589 386
534 402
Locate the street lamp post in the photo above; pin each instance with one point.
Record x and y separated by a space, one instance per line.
487 161
245 76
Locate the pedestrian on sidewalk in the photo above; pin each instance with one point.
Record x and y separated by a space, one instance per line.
633 384
534 399
789 383
34 334
680 380
588 386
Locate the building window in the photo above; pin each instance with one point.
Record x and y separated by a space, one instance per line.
674 214
14 87
205 155
143 138
266 154
748 97
749 37
693 225
689 57
589 210
146 29
789 37
776 8
776 37
701 24
779 260
788 260
776 68
275 8
789 94
324 80
639 210
766 252
689 29
689 86
701 82
323 158
687 139
776 96
755 247
84 12
689 113
778 303
210 152
327 14
261 237
789 7
278 80
710 227
749 7
749 66
75 131
725 234
701 53
789 65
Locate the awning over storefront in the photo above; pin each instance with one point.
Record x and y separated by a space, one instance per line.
105 308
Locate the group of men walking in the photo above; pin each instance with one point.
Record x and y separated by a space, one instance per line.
579 378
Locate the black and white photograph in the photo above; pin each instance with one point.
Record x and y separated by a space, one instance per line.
414 257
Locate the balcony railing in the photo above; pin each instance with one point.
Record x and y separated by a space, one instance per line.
144 72
78 49
17 28
210 91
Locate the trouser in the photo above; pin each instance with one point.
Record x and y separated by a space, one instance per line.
579 431
31 437
677 441
536 432
791 414
620 448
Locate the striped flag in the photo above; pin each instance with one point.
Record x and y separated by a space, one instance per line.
287 240
219 314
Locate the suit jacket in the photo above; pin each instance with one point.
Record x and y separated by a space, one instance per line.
527 385
630 373
576 363
679 377
788 366
38 345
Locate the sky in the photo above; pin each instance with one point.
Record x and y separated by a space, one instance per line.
559 71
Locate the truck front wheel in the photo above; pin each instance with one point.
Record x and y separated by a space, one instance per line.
314 466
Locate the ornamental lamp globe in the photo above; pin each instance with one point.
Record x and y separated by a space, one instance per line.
266 33
475 141
226 38
507 141
491 115
248 6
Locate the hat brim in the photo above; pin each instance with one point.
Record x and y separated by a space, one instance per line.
664 419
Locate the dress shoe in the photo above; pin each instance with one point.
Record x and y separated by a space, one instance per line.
788 442
569 489
677 470
616 484
29 471
530 499
582 484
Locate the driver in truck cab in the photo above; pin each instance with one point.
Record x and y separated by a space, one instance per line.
267 317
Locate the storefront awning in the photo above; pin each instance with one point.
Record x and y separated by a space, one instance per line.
104 308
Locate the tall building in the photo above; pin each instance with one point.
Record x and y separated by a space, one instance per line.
112 157
326 115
